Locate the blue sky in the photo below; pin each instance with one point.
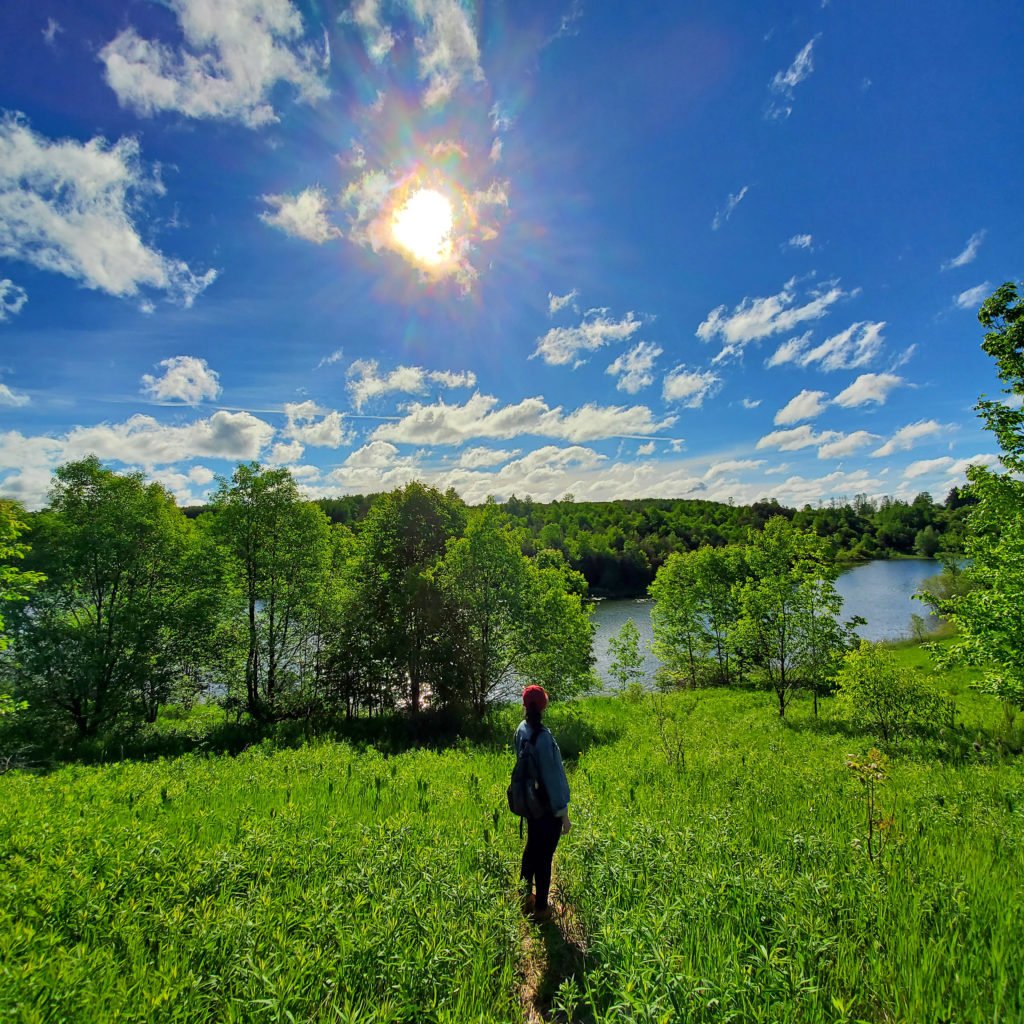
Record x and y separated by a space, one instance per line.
719 250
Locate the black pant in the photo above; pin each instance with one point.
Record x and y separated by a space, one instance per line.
541 839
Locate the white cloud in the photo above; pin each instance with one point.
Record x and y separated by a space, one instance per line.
561 345
750 403
201 475
447 47
301 216
496 147
972 298
236 52
734 200
480 416
846 445
12 298
960 467
480 458
11 398
335 357
857 346
804 406
52 30
366 382
784 82
754 319
924 467
645 449
969 252
142 441
690 387
67 207
185 379
375 455
731 466
906 437
796 438
285 453
559 302
634 368
868 387
315 426
377 37
800 242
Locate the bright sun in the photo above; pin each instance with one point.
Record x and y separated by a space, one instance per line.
422 226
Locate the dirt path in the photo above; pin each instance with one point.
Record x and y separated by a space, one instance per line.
553 951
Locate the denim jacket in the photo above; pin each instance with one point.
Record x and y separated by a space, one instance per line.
549 758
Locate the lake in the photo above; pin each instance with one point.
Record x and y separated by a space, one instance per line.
880 592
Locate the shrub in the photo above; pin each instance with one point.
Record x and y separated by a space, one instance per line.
877 693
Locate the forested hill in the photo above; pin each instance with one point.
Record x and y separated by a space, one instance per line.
620 545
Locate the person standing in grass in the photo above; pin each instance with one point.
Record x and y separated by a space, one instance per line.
543 832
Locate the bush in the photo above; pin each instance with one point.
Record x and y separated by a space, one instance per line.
877 693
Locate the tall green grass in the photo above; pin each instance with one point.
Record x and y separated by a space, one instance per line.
718 867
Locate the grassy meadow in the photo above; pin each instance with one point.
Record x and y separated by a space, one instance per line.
718 870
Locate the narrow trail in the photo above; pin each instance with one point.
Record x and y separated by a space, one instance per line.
553 951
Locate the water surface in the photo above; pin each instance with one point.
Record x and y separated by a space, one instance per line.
880 592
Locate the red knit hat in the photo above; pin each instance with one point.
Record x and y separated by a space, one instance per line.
535 697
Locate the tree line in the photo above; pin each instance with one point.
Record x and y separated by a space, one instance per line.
619 546
121 604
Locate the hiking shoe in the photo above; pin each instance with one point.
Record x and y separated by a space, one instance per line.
542 915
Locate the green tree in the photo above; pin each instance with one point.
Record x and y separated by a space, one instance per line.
16 584
399 638
676 617
95 639
879 694
788 606
927 542
627 666
277 556
990 618
510 617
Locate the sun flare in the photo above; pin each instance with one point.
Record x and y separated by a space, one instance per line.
422 226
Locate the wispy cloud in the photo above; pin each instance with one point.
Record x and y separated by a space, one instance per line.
972 297
562 345
782 87
854 347
69 207
804 406
846 444
12 399
335 357
750 403
12 299
52 30
366 382
556 303
800 242
634 369
690 387
868 387
970 251
907 437
734 200
796 438
301 216
232 59
754 319
482 416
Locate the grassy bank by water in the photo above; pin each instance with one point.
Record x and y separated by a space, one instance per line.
718 871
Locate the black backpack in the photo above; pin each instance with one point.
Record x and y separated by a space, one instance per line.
526 795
